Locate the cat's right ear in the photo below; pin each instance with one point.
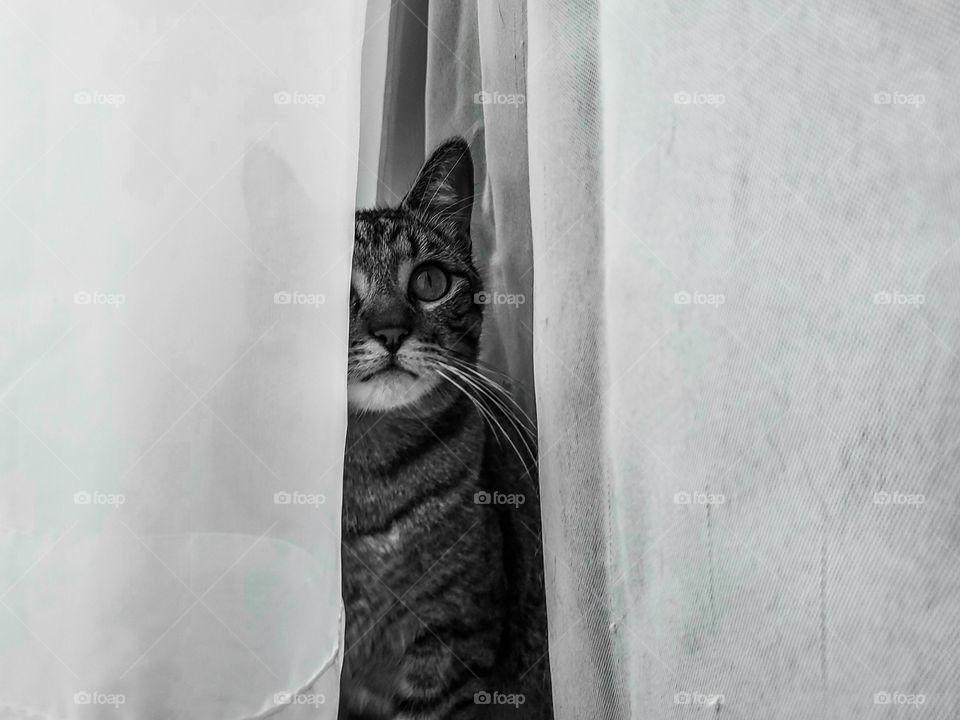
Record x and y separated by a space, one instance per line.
443 191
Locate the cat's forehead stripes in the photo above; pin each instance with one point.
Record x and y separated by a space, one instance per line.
381 230
380 249
406 233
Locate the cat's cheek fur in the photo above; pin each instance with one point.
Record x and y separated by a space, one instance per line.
379 393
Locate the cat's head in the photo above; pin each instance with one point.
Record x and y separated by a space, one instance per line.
414 313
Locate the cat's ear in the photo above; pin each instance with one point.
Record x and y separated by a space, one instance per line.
443 191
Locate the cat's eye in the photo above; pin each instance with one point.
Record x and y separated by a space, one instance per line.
429 282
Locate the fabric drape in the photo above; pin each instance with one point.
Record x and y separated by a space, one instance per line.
744 229
571 338
176 214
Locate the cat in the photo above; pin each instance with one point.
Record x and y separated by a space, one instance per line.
441 549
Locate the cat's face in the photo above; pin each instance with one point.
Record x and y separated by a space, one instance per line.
413 312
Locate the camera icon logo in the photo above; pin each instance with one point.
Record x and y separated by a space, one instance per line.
482 698
282 98
482 497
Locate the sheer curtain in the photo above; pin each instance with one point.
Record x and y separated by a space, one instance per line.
176 214
743 221
442 58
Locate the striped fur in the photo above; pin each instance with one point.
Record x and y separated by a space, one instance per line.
444 594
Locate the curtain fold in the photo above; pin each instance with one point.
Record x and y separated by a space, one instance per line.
403 127
571 338
459 51
176 214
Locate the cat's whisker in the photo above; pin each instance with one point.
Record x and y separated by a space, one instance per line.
521 415
484 412
526 435
505 393
481 395
508 414
452 375
469 367
478 365
506 435
490 417
496 393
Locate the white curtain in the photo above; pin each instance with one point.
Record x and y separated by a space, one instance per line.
744 225
176 214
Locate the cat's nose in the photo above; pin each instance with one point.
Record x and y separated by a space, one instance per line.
391 337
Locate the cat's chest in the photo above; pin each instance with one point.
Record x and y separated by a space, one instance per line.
396 472
381 501
389 550
404 498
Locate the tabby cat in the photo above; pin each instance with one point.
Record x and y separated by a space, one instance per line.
442 562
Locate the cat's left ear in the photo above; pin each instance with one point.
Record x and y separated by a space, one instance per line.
443 191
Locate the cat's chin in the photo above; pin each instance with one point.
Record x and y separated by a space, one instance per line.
389 390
